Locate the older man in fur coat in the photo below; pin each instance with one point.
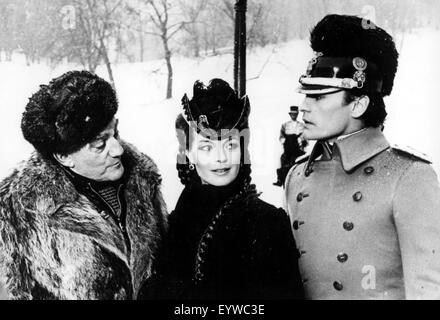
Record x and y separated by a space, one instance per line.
84 216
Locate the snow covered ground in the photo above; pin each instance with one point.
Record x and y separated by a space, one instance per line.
147 119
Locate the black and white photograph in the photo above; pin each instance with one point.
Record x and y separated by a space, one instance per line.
219 150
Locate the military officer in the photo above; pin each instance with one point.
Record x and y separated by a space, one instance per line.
365 215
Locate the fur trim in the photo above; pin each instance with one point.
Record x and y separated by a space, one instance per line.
54 243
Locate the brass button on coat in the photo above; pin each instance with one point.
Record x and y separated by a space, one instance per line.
338 285
368 170
342 257
357 196
296 224
344 220
348 225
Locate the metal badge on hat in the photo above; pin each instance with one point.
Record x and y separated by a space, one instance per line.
360 64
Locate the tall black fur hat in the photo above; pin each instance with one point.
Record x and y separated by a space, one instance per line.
69 112
215 109
352 49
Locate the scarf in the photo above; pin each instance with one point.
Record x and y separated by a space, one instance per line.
108 196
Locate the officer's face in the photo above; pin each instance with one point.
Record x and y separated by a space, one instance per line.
217 162
325 116
100 160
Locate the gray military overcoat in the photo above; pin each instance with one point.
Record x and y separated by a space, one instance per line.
366 219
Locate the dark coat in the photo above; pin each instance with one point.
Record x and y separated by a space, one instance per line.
54 243
243 250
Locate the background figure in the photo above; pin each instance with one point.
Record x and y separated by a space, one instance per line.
293 145
84 216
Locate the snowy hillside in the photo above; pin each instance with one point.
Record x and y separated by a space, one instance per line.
147 120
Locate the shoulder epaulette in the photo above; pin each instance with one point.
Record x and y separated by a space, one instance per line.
302 158
408 151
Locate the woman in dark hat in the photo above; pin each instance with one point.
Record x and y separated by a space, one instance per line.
224 242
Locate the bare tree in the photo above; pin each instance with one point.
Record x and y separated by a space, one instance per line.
165 25
96 27
228 9
83 44
33 28
257 31
263 25
102 24
104 34
191 12
218 24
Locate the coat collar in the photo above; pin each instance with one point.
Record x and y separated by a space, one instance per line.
353 149
39 178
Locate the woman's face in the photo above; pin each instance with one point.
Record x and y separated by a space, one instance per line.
217 161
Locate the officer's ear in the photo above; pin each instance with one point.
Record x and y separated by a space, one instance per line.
359 106
65 160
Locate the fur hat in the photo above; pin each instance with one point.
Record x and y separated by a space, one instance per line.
350 55
69 112
216 109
